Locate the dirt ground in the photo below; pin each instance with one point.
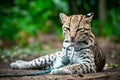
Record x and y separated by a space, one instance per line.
110 48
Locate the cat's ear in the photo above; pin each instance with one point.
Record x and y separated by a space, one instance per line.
89 16
63 17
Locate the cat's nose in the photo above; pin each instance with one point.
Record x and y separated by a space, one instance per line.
72 37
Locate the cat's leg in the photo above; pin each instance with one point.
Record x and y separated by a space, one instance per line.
20 64
75 69
44 62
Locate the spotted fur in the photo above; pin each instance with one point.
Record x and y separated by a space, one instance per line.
80 52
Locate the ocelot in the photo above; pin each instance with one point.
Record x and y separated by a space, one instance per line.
80 52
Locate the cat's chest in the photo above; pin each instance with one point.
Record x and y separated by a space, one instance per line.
75 52
74 55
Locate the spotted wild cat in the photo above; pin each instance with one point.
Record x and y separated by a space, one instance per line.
80 52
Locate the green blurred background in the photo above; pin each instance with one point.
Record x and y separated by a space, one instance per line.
23 19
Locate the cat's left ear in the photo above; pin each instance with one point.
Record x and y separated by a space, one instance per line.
63 17
89 16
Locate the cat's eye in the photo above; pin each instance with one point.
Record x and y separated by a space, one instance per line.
67 28
79 29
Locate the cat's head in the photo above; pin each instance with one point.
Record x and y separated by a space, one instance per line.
76 27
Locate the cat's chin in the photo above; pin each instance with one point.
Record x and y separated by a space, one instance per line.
73 42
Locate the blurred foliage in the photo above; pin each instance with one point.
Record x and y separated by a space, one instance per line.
27 17
111 28
22 19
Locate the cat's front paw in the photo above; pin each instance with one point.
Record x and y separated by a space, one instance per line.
61 71
19 65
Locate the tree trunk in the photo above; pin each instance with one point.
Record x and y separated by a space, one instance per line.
72 6
102 11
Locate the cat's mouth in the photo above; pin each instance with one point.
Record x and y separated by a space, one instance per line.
70 41
73 42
